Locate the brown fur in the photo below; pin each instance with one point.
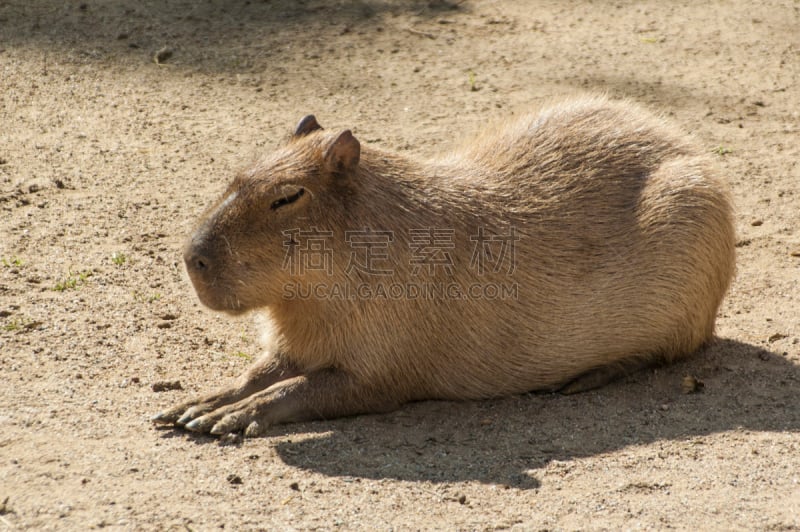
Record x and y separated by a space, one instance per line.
625 251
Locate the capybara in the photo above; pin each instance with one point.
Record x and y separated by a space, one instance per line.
552 253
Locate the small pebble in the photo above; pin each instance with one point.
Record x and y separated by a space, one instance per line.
692 385
231 438
163 55
775 337
163 386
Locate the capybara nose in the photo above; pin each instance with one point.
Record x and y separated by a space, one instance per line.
197 262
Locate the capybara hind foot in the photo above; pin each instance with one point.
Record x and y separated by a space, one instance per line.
599 377
592 379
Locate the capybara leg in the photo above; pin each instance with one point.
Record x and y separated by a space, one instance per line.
599 377
321 394
263 374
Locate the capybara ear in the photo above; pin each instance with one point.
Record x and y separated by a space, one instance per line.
343 153
306 125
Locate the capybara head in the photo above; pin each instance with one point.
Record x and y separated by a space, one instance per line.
238 257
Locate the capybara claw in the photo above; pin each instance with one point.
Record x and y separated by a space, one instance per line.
198 425
224 426
162 418
184 419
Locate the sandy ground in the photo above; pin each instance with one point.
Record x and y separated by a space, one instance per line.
107 158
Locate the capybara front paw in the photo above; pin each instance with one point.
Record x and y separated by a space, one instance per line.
184 413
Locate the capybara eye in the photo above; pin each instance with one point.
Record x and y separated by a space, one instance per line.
287 199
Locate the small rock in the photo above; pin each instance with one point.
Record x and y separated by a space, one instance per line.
795 253
692 385
231 438
756 223
775 337
32 187
295 486
5 508
234 479
163 55
462 499
163 386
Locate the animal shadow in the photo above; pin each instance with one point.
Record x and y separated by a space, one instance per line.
506 441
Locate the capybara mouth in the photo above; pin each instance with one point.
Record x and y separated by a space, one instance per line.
214 294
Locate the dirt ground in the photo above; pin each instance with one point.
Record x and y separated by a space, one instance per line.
108 156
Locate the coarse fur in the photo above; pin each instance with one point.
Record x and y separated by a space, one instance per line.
623 248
